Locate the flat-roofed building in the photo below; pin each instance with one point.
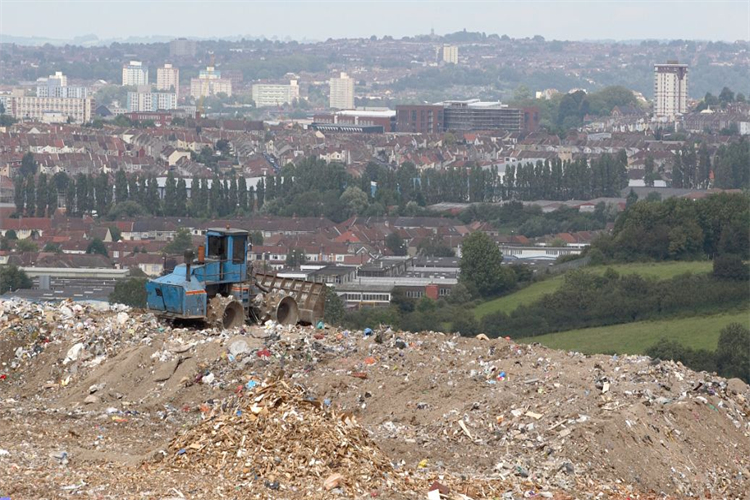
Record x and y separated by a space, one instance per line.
272 94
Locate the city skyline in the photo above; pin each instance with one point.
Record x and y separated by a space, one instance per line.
725 20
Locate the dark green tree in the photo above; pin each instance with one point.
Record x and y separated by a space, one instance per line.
260 194
181 242
295 257
42 196
26 245
121 187
19 194
242 195
30 197
396 244
733 352
152 199
730 267
649 173
170 196
334 307
481 265
12 278
631 198
28 165
97 247
181 201
131 292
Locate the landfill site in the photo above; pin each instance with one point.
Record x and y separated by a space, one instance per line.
101 402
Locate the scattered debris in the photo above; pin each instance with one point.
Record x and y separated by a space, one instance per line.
384 414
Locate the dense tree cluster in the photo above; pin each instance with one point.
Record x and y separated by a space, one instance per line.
131 292
732 165
586 300
558 180
12 278
680 229
731 358
481 266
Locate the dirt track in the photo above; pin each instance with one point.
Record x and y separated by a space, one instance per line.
101 419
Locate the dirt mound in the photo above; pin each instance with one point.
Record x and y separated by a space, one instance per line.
487 418
278 438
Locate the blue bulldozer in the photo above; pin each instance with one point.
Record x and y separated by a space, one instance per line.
217 288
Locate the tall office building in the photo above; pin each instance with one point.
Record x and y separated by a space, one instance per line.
182 47
272 94
670 89
134 73
341 92
209 82
168 78
448 54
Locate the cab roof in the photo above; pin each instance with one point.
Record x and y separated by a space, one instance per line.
228 232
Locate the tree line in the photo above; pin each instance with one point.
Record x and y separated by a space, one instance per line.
731 358
678 229
587 300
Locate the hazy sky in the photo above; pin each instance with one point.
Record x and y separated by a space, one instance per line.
554 19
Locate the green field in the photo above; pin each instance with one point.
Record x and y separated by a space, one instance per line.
535 291
698 332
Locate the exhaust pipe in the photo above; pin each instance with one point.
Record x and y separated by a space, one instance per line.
188 261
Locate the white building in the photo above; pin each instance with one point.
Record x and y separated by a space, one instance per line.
341 92
134 73
670 89
57 86
168 78
270 94
34 108
449 54
151 101
210 82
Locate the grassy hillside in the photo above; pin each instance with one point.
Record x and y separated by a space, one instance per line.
662 270
698 332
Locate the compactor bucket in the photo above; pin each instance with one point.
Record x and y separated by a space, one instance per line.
290 301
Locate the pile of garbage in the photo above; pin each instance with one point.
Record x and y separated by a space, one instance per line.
279 438
107 387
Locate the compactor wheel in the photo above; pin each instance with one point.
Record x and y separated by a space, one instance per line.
225 313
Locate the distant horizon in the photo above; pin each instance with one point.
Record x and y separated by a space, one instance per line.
77 40
316 21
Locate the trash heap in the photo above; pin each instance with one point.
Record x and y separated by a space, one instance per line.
88 393
279 440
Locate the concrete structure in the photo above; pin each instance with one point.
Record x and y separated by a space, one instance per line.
448 54
420 119
168 78
134 73
670 89
384 118
378 291
271 94
538 253
57 86
145 100
341 92
474 114
182 47
34 108
208 83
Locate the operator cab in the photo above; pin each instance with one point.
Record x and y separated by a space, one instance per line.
225 255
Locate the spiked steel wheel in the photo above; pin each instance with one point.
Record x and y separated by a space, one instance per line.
225 313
